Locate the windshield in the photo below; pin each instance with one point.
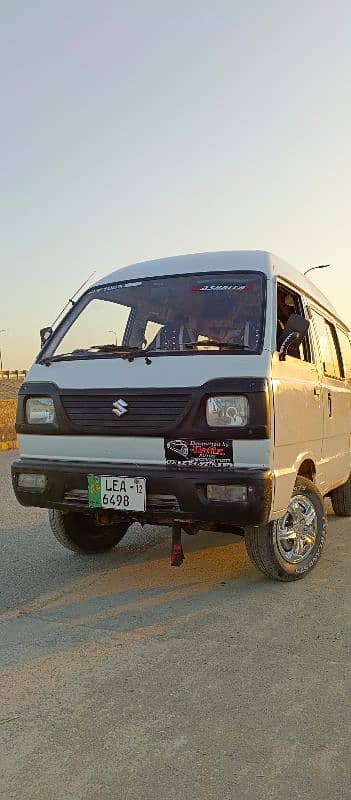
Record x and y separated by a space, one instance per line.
192 314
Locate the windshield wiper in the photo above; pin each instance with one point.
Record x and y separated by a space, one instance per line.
79 353
122 351
218 343
112 348
126 351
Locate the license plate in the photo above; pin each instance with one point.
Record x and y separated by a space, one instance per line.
120 494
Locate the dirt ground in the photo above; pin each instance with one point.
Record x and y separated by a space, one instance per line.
121 677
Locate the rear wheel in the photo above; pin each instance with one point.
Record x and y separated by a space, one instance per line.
82 534
341 499
288 548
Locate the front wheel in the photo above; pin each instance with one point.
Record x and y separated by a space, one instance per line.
288 548
82 534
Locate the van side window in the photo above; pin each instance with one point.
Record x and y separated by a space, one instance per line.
288 303
345 347
326 336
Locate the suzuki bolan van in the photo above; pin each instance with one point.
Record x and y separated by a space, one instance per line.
203 392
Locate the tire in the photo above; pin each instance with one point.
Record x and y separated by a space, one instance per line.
285 558
341 499
80 533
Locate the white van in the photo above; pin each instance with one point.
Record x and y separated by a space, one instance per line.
208 391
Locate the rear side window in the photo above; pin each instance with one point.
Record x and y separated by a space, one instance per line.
327 341
345 347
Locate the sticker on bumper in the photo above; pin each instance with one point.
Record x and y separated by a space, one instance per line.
199 453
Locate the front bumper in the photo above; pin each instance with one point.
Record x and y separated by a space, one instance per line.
172 494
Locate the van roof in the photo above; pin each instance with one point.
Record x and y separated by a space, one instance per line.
261 260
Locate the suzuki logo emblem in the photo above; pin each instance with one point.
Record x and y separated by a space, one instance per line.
119 407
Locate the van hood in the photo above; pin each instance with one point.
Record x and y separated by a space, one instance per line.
163 372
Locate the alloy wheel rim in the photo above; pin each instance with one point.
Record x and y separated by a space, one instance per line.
296 532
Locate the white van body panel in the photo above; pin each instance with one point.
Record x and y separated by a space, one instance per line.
227 260
163 372
258 260
128 449
336 401
298 425
221 261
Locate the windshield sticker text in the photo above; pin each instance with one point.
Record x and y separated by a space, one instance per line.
113 287
224 287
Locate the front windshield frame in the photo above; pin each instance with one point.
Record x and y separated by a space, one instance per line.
50 347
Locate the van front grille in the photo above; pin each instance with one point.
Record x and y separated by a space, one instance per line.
76 497
93 413
162 502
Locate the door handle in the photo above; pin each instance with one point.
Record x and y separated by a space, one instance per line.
317 392
329 404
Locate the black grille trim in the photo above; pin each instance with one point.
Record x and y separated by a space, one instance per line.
154 502
161 413
93 412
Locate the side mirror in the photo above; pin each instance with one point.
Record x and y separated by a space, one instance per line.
45 334
294 333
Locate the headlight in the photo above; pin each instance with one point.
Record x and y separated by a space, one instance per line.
40 410
227 411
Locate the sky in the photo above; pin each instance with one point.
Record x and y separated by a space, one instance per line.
137 130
